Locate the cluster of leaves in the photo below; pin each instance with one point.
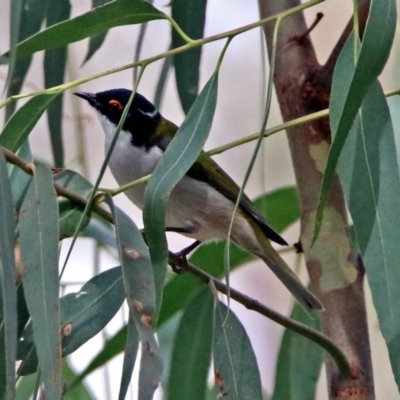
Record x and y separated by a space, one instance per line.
36 323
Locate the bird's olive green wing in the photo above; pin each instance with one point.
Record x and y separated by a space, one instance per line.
207 170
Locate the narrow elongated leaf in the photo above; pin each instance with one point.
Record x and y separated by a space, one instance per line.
131 349
32 15
235 365
8 289
100 231
15 18
299 362
95 41
191 355
83 315
190 16
20 180
70 212
180 155
86 313
54 69
352 78
112 14
280 207
370 178
39 261
20 125
140 293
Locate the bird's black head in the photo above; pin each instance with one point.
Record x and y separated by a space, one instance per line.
142 118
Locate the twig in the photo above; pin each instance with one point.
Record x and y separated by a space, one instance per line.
177 261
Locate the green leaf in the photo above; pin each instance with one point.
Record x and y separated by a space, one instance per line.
140 293
131 349
39 261
112 14
15 18
180 155
19 179
370 177
20 125
281 208
355 71
83 315
191 355
8 290
235 365
87 312
95 41
299 361
191 17
70 212
101 231
54 70
32 14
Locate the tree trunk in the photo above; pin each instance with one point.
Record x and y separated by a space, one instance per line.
336 270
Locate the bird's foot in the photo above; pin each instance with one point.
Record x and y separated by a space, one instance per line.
182 256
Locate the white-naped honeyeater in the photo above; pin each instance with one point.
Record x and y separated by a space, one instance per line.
201 205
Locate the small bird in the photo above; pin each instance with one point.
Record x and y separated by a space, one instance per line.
201 205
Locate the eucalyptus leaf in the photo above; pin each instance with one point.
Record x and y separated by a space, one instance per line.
131 349
8 289
32 14
69 211
39 261
299 361
54 69
370 178
235 366
190 15
140 292
83 315
98 20
20 125
179 156
191 354
352 78
20 180
95 41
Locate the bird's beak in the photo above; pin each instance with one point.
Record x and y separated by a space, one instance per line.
90 97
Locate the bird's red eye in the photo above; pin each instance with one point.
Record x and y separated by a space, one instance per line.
116 104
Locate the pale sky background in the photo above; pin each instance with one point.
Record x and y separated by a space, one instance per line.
238 114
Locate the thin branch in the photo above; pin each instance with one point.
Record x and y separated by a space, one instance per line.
174 260
252 304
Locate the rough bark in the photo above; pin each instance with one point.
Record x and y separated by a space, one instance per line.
335 269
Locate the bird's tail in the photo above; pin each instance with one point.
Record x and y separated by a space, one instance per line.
278 266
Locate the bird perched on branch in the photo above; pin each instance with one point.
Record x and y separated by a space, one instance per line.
201 205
